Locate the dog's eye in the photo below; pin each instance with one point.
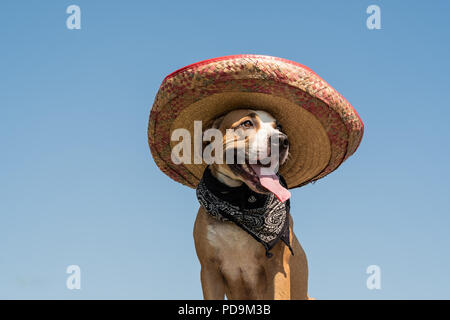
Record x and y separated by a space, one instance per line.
247 124
279 127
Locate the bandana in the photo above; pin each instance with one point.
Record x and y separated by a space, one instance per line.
263 216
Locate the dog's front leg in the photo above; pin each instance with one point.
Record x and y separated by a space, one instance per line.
213 284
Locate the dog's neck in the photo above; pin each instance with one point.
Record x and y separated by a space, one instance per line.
225 179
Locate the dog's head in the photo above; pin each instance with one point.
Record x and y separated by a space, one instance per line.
254 147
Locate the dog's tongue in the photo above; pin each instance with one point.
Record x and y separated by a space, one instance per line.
271 182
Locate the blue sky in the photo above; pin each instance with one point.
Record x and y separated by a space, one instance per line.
78 185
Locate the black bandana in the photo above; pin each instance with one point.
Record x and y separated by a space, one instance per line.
263 216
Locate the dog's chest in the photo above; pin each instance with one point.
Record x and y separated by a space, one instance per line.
232 243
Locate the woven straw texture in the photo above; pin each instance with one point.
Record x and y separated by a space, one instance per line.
323 128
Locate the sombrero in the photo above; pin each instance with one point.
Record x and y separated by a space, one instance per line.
323 128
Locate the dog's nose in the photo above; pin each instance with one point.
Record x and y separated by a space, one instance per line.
284 141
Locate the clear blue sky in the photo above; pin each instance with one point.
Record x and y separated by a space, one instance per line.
78 184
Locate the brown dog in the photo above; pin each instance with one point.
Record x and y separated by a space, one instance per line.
232 262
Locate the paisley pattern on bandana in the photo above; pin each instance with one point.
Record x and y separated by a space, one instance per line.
267 223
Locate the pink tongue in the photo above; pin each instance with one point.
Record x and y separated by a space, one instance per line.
271 182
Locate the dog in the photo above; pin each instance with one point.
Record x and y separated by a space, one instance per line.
233 263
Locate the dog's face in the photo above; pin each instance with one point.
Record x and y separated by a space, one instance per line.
257 144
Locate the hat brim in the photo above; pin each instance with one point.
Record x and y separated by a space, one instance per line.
323 128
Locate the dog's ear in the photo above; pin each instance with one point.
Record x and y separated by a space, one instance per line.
215 124
212 124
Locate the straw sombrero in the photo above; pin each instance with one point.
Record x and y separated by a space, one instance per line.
323 128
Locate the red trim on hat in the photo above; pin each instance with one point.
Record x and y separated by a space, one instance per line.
237 56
